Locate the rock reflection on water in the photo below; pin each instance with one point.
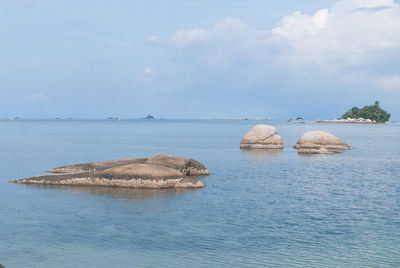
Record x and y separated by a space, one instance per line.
320 156
119 192
261 153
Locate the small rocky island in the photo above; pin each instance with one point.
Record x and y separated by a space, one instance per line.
159 171
350 120
320 142
262 137
372 114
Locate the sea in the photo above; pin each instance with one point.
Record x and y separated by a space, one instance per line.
258 209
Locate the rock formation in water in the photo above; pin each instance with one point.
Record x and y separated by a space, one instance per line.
159 171
262 137
189 167
320 142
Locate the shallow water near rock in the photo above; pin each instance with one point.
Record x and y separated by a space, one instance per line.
258 208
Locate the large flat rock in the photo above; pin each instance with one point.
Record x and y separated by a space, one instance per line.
160 171
189 167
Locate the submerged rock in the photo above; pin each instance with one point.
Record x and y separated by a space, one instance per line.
160 171
319 142
262 137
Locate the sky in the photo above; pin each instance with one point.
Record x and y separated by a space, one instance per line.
198 58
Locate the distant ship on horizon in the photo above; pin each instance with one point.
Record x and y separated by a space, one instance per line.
148 117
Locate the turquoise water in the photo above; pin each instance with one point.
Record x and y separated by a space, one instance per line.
258 209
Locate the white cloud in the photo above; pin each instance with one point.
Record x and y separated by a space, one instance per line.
297 24
391 82
226 41
229 31
34 97
2 71
153 38
147 75
350 33
354 44
371 9
186 37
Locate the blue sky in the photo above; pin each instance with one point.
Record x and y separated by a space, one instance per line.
198 59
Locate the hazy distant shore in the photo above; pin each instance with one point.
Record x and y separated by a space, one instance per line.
350 121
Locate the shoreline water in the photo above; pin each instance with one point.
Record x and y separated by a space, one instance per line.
346 122
258 209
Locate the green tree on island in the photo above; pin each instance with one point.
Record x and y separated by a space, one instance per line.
373 112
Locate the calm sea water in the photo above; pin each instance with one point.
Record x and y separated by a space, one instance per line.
258 209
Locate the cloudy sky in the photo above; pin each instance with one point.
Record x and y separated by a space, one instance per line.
198 58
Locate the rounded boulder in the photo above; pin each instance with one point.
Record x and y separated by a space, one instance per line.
320 142
262 137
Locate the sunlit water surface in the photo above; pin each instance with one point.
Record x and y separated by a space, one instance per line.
258 209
